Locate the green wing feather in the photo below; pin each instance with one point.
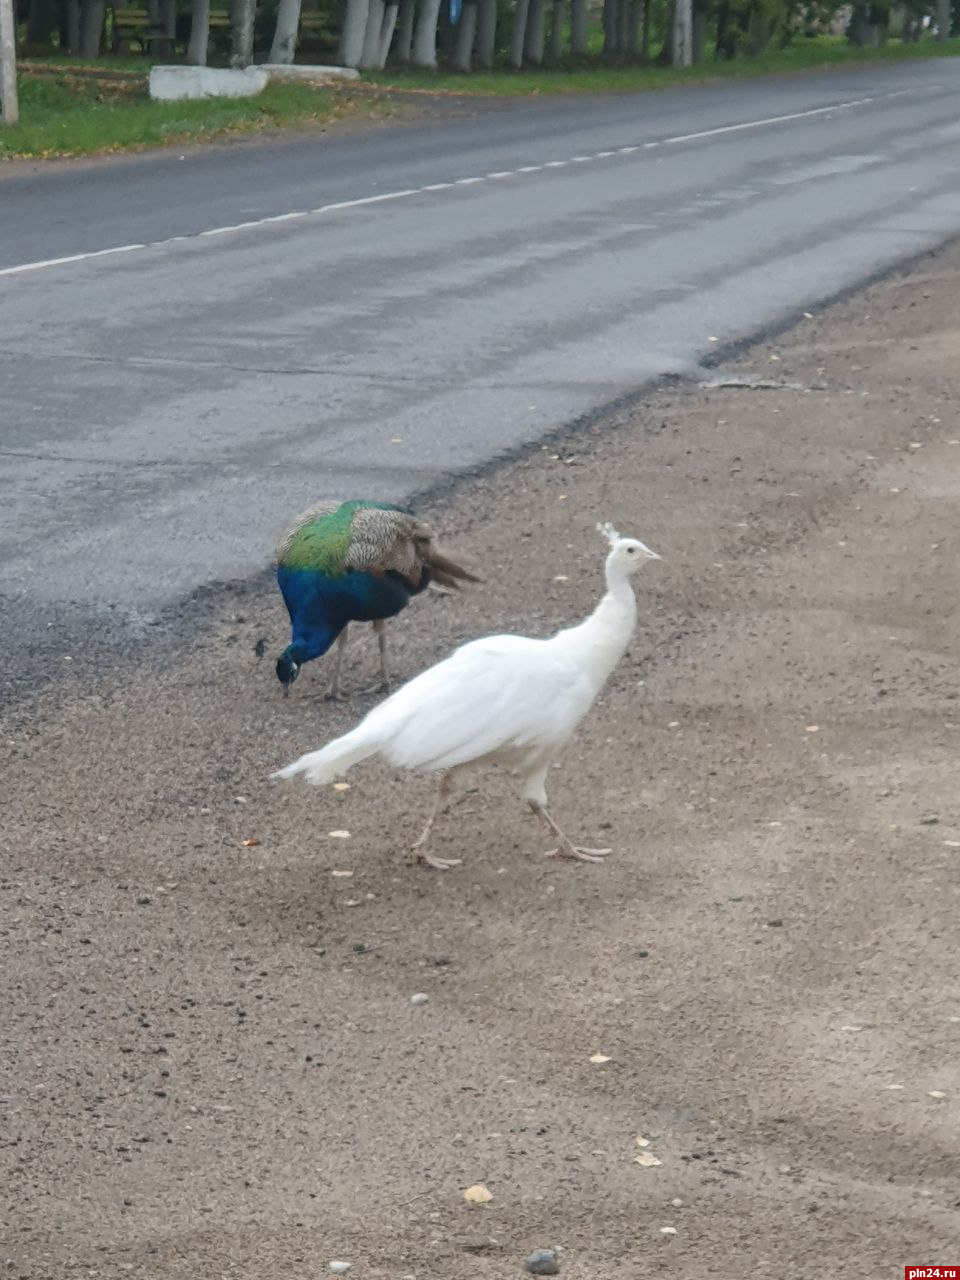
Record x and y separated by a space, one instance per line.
321 538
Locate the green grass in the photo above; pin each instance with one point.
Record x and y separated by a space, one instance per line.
67 116
802 55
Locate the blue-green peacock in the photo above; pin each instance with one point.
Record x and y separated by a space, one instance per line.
359 561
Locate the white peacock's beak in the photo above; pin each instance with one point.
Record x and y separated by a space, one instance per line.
651 555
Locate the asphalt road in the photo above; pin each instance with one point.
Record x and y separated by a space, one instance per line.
438 295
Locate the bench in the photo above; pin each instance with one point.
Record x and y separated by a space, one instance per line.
316 29
135 24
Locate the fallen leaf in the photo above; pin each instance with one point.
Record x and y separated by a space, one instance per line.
561 577
339 835
895 1086
813 728
952 844
851 1028
477 1194
647 1159
642 1142
250 844
599 1057
342 874
341 786
935 1093
668 1231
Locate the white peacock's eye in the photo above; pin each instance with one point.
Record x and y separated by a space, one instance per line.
630 550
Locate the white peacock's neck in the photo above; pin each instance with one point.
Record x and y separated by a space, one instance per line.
599 642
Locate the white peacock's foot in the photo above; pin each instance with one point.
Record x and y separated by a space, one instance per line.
383 686
441 864
581 855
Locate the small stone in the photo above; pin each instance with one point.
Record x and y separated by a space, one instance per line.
668 1231
144 900
419 998
936 1093
338 1268
542 1262
677 1202
930 820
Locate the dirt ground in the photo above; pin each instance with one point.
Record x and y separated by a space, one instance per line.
211 1065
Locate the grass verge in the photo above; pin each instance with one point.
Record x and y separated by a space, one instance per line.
64 115
803 55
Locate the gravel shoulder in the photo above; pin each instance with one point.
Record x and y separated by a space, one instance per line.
210 1064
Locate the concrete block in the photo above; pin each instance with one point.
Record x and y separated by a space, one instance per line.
297 71
171 84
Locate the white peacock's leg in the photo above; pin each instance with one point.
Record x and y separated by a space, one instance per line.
440 864
565 849
535 794
334 690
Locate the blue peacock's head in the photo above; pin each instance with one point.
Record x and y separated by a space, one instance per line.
287 668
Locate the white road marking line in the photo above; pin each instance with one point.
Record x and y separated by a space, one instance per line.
355 204
361 201
71 257
757 124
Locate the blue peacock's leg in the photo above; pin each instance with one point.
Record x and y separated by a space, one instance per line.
380 627
441 864
334 690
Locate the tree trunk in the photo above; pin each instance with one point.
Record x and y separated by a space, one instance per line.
555 48
519 32
533 36
868 24
387 28
371 36
645 33
91 28
9 103
72 24
611 28
425 37
623 26
41 22
285 32
681 36
487 33
637 14
169 12
578 28
466 31
353 32
408 9
943 19
381 20
199 33
242 15
699 35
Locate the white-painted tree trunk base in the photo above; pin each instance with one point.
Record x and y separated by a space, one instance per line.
199 33
353 32
425 39
285 32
